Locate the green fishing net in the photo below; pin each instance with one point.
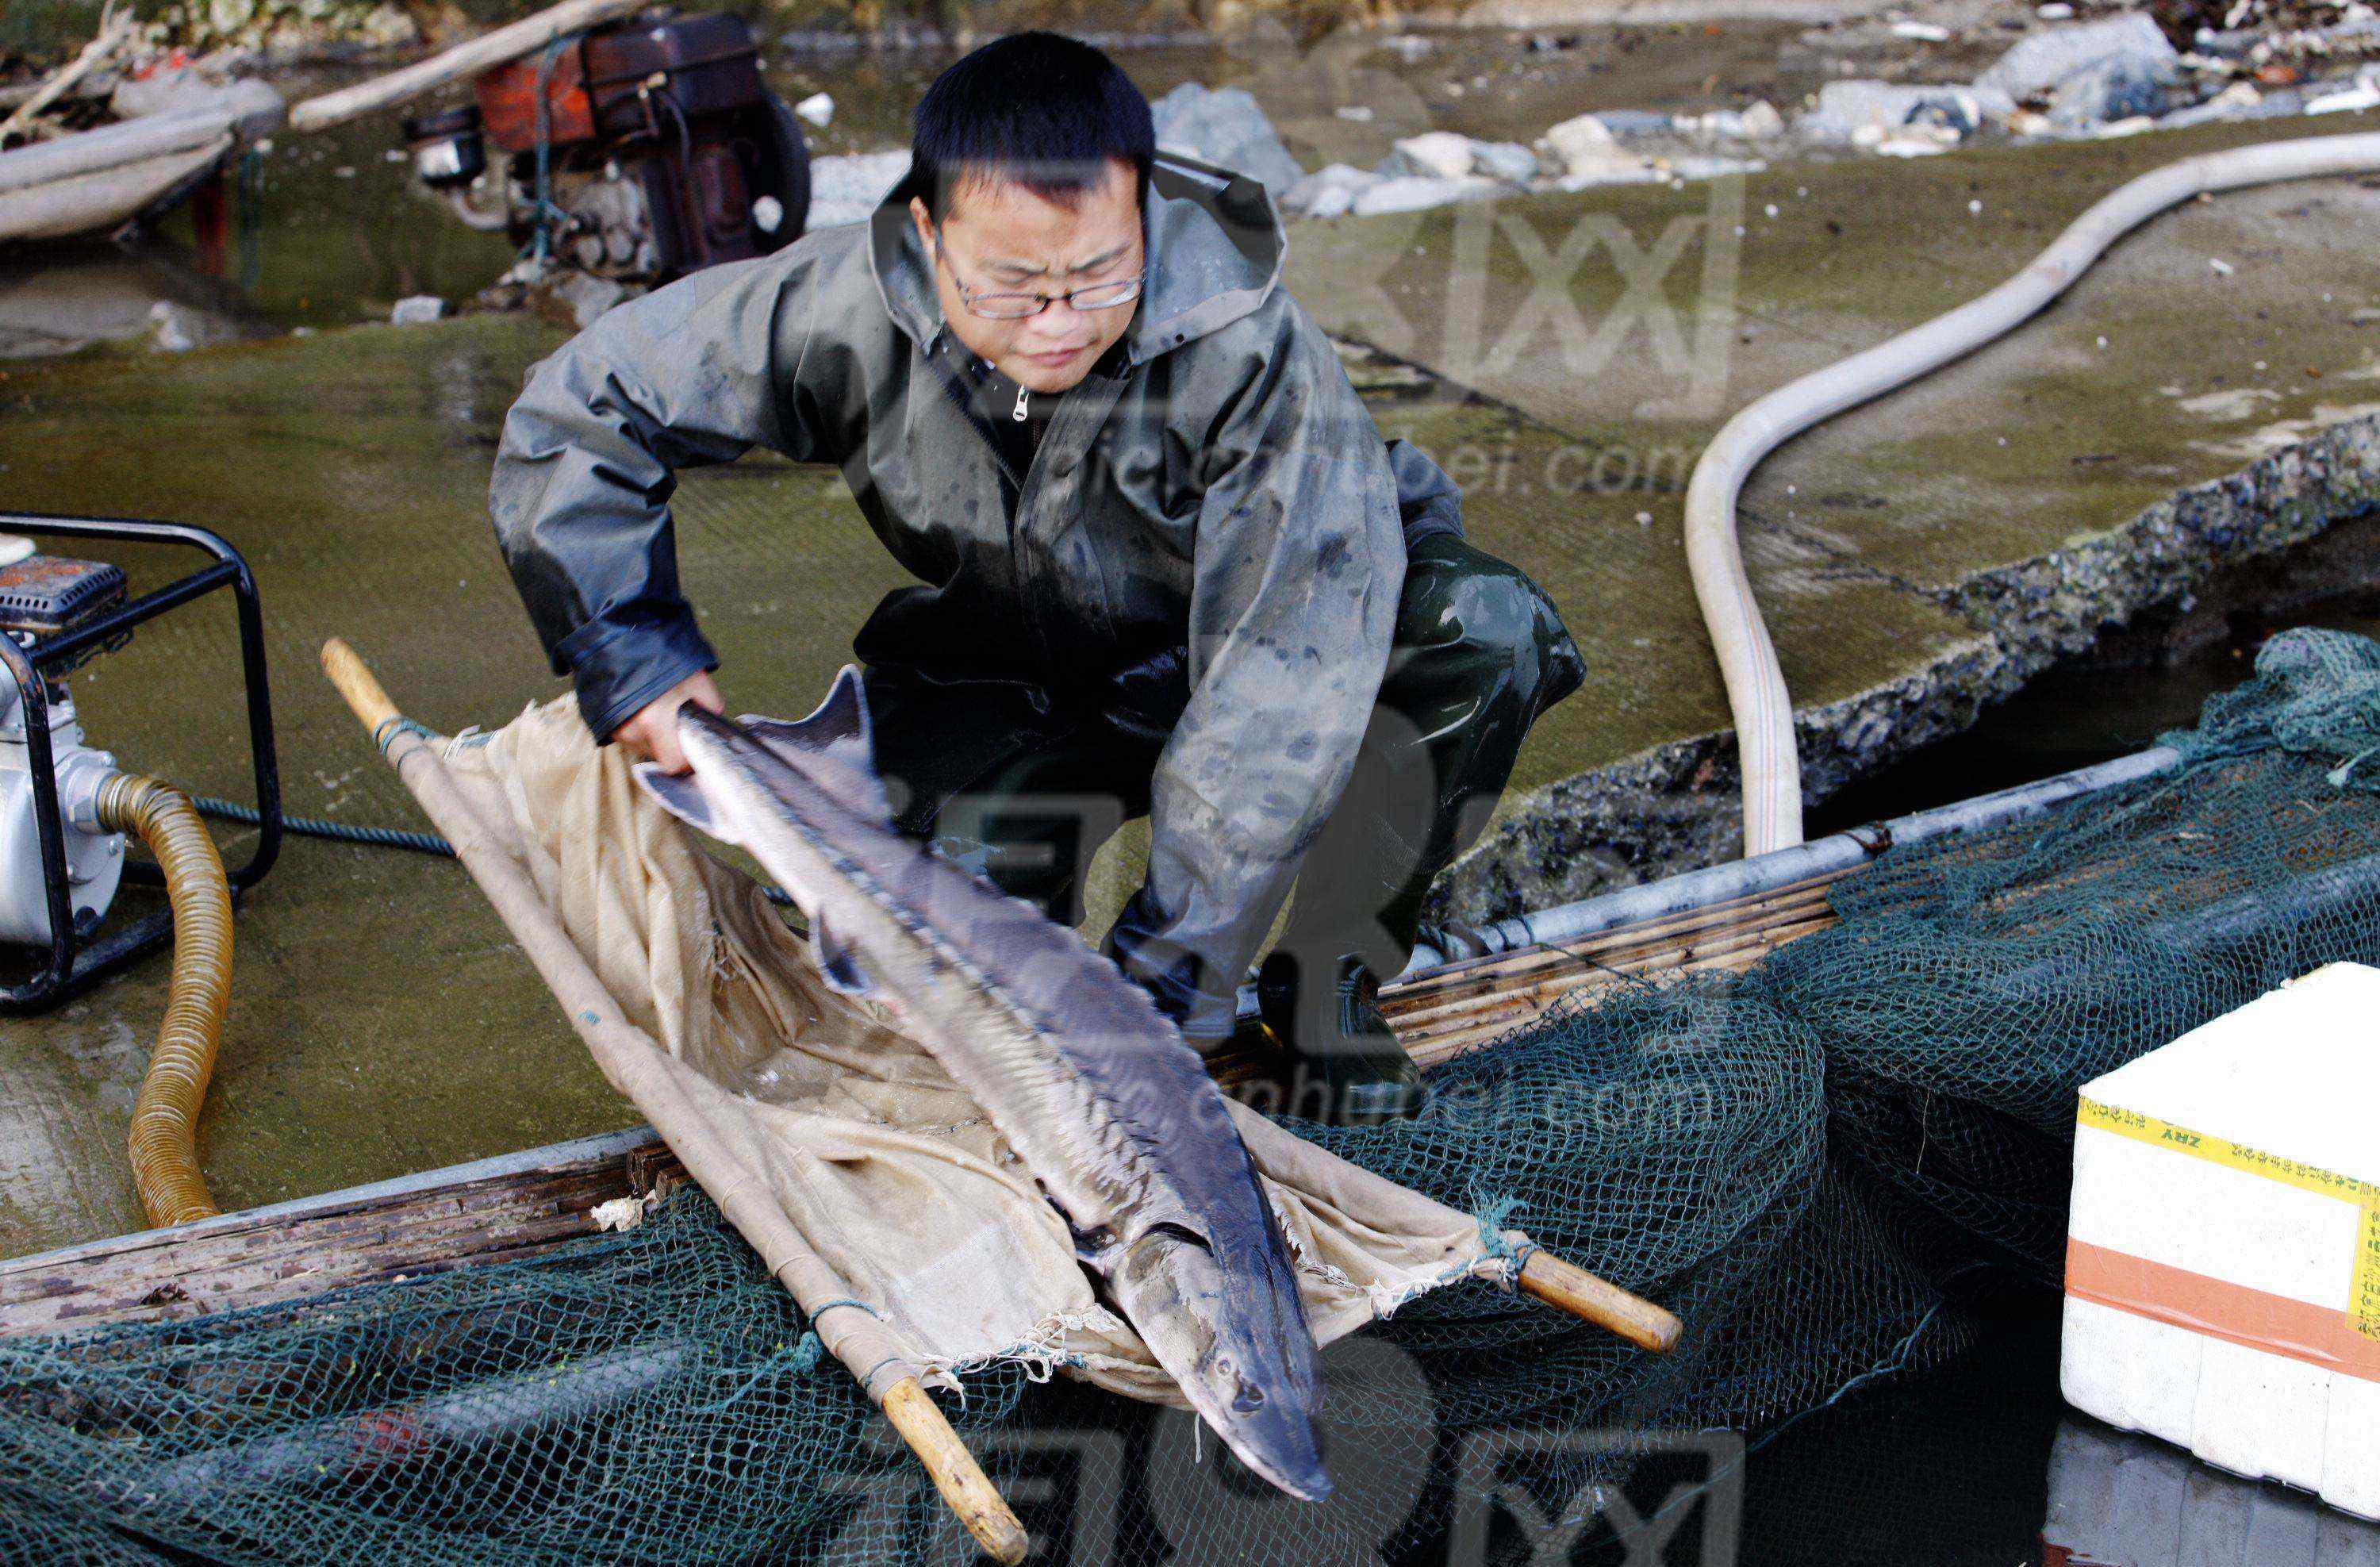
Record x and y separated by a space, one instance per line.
1822 1164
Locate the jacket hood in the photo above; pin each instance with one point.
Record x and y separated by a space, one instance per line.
1213 240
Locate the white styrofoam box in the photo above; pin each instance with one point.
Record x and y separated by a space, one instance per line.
2128 1501
2223 1263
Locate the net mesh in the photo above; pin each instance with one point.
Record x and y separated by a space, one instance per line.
1822 1163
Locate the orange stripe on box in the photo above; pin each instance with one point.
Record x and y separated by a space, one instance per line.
2234 1313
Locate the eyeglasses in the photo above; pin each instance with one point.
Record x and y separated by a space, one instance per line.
1017 307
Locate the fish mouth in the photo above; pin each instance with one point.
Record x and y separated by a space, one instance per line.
1310 1483
1243 1374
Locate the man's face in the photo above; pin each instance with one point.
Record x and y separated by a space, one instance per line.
998 237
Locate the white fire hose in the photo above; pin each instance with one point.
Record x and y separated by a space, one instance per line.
1756 685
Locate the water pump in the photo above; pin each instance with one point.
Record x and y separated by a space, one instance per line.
41 596
64 806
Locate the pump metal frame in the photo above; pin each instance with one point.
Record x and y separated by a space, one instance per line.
74 963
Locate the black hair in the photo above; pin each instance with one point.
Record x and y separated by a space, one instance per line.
1044 110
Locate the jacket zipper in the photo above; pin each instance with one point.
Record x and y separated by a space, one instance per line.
970 408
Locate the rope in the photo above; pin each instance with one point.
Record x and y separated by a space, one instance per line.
369 837
337 831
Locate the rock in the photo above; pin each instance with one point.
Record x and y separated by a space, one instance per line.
417 310
1507 160
1330 192
1227 129
1585 153
818 108
587 298
2127 51
1762 120
1632 122
172 327
1439 155
1413 192
847 189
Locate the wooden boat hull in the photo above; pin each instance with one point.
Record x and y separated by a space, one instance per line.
104 203
95 182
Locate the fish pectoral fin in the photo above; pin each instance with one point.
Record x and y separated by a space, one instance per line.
680 795
834 747
837 965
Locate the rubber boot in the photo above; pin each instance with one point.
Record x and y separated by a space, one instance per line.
1351 1070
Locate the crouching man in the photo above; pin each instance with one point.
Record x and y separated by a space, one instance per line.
1164 557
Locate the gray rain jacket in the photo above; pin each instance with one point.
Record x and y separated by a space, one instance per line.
1211 534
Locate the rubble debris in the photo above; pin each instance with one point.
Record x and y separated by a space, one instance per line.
1507 160
1585 152
417 310
1438 154
2042 63
1413 193
1330 192
2363 94
1872 113
2090 74
1446 155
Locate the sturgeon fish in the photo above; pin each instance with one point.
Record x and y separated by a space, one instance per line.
1089 1083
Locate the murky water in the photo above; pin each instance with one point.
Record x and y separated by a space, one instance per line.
2118 697
333 228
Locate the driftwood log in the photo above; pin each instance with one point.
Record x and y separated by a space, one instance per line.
524 37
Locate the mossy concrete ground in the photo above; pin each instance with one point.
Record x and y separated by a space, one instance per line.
2205 394
1918 558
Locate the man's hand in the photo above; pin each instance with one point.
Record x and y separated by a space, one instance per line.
653 733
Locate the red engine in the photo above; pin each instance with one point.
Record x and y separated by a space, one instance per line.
645 151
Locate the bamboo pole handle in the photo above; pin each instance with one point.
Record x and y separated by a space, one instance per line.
965 1486
1567 1287
359 685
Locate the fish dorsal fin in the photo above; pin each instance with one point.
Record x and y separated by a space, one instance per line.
681 796
834 747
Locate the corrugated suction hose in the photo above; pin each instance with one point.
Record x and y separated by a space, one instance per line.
165 1116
